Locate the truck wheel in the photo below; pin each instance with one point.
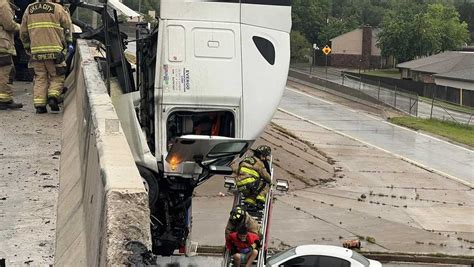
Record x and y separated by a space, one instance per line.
151 185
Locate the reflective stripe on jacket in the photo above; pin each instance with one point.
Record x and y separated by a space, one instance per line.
46 30
253 168
249 172
7 28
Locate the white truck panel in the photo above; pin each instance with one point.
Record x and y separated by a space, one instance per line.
263 83
198 10
269 16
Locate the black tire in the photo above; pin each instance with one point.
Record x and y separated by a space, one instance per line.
167 249
151 181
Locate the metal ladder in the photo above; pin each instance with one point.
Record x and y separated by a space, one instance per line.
263 218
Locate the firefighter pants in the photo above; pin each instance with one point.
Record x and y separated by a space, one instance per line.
48 82
255 192
262 195
5 88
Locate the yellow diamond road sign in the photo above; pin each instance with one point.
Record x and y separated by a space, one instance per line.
326 50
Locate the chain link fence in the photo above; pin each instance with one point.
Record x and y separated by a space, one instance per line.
389 94
443 110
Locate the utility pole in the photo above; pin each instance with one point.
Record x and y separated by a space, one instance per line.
139 10
315 47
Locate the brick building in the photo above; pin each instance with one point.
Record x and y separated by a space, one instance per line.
357 49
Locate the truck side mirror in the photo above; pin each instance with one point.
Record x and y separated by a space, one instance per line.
282 185
229 183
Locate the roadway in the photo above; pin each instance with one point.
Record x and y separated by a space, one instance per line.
433 154
387 95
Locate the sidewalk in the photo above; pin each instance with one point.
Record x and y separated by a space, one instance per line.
29 165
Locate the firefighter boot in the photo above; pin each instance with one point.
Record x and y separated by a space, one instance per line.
10 105
250 204
261 201
53 104
41 110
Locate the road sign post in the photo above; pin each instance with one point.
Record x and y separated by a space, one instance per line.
326 66
326 51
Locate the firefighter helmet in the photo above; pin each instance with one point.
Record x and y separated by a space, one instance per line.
237 214
263 150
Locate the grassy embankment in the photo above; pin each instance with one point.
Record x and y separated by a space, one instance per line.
390 73
457 132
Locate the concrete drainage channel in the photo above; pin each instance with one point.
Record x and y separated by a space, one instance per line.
103 214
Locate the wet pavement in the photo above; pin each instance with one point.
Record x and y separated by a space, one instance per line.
400 100
434 154
29 163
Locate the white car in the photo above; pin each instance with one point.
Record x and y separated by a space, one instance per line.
320 256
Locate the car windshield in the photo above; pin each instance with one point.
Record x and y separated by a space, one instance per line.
281 255
363 260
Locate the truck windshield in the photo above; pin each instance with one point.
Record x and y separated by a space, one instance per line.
209 123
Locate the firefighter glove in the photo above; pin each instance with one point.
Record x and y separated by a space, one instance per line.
70 49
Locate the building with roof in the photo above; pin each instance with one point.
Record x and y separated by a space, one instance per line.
451 71
357 49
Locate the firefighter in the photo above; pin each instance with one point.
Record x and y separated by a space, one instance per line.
7 49
46 33
238 218
253 178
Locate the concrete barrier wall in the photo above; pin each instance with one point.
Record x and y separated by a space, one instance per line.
102 202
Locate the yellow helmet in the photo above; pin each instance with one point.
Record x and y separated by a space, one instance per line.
263 150
237 214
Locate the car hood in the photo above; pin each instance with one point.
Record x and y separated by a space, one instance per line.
375 263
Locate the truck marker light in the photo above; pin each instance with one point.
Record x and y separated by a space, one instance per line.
174 162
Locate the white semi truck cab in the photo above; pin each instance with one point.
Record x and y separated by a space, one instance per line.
208 80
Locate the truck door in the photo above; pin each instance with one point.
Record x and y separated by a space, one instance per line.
200 61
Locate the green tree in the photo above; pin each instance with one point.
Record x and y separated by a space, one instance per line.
336 27
364 12
466 12
444 22
396 37
413 29
300 47
310 16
